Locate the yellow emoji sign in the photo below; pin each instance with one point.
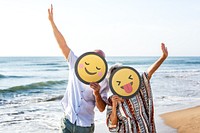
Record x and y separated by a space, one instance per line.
125 82
91 67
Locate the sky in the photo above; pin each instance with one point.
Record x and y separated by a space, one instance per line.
118 27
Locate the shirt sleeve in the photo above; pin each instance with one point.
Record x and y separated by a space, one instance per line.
112 128
104 90
72 59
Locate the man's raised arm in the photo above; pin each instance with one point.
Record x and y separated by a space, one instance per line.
59 37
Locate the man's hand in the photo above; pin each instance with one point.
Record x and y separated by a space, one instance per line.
50 11
164 50
100 103
96 88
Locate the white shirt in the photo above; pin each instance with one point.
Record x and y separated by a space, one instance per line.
78 101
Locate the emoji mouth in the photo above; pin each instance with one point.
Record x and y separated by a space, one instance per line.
90 73
128 87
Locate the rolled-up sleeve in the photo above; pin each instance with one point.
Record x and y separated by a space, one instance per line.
72 59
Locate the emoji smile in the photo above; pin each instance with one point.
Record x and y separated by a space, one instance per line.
128 87
90 73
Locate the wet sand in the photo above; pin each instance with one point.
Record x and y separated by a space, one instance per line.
185 121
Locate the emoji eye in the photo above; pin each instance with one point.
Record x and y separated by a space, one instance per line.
119 82
87 63
98 68
130 77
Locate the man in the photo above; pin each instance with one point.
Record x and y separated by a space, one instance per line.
79 99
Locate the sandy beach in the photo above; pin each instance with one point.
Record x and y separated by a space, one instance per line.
185 121
161 127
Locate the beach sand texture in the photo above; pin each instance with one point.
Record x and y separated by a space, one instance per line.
185 121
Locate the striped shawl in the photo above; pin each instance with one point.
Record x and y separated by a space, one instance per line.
135 115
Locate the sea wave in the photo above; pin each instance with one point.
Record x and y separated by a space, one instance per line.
51 70
54 98
38 85
176 98
43 64
193 62
2 76
12 76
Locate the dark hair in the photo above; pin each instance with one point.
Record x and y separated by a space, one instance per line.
113 70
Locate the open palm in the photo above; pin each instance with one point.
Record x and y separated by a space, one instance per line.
164 50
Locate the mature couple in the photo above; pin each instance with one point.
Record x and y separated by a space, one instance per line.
123 115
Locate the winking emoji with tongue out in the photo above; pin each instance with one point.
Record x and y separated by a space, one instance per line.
125 82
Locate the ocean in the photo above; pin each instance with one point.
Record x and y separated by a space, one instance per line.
31 89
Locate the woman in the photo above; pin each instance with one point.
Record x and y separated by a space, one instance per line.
135 115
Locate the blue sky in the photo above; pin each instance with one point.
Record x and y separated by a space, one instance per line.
119 27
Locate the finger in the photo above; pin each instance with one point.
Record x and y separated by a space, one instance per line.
122 100
162 48
114 96
49 11
92 86
51 7
166 51
95 84
92 83
162 45
117 99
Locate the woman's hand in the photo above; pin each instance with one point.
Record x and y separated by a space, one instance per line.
164 50
157 64
113 117
116 100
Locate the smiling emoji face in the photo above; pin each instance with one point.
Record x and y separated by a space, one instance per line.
91 67
125 82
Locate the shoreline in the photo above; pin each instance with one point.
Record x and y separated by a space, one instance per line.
185 120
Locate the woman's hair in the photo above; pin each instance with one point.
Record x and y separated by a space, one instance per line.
113 68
